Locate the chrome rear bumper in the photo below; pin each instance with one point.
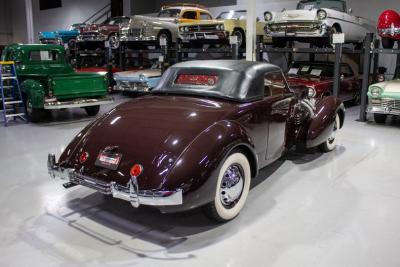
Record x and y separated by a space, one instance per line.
79 103
130 192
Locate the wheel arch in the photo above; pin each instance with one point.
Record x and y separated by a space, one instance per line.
337 26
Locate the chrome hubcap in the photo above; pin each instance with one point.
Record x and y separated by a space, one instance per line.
232 185
114 42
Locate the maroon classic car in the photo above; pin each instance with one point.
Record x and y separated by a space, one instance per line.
199 139
318 77
92 34
389 28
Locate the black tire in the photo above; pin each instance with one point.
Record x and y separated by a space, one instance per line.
330 144
35 114
92 110
228 201
387 43
279 42
380 118
164 34
241 37
72 44
114 41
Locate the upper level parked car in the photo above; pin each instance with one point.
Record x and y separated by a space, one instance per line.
48 82
144 29
62 37
318 77
226 24
314 21
389 28
199 138
384 100
102 32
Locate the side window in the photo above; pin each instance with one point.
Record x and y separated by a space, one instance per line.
189 15
274 84
205 16
346 71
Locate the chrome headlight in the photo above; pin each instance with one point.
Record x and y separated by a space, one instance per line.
311 92
321 14
186 29
220 27
376 91
181 29
268 16
142 78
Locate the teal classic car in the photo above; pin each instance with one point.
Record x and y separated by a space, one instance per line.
384 100
48 82
62 37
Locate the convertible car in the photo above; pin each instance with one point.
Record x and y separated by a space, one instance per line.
199 139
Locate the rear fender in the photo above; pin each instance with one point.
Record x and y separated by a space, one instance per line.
34 91
196 170
321 125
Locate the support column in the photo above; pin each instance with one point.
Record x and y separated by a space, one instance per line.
366 72
337 74
251 30
29 22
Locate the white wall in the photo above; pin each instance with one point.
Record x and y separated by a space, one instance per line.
72 11
5 24
19 28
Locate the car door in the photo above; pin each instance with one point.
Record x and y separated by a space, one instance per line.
278 99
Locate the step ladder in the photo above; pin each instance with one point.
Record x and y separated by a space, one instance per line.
11 96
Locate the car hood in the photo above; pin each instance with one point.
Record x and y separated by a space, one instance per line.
150 19
390 86
91 28
134 74
48 34
296 15
152 131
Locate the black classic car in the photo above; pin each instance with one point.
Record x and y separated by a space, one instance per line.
200 137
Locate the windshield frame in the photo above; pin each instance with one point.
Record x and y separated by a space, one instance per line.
302 4
177 15
233 12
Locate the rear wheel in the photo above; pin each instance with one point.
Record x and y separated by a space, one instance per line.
387 43
330 144
380 118
232 188
92 110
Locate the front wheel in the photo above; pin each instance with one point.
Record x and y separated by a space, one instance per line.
387 43
35 114
232 188
380 118
330 144
92 110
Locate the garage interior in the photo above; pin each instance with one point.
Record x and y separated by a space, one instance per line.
307 208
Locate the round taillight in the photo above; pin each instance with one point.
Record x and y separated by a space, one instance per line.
136 170
83 158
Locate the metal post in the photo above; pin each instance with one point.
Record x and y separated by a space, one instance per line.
251 30
109 67
337 75
122 56
376 61
366 71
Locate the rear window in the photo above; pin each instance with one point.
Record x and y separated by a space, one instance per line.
197 80
39 56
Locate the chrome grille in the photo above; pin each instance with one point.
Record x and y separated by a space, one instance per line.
203 28
386 103
294 27
135 32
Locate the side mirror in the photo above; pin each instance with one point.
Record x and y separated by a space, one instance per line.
350 11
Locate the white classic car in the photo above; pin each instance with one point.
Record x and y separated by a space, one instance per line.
137 81
384 100
314 22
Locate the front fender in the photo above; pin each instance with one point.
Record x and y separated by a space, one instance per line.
34 91
196 170
321 125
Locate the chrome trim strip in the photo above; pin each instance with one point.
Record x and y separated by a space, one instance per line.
78 103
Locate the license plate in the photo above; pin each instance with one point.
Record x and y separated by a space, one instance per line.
108 160
212 37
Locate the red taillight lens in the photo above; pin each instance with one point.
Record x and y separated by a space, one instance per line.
83 158
195 79
136 170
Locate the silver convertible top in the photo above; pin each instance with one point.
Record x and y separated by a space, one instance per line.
232 79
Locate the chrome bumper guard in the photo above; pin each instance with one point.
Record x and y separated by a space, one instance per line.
133 38
383 110
312 29
390 31
203 36
91 38
130 193
55 104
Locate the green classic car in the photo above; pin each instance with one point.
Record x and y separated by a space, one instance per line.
48 82
384 100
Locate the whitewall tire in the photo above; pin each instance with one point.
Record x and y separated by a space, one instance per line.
232 188
330 144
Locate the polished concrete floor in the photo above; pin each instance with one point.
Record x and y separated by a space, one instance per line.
337 209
